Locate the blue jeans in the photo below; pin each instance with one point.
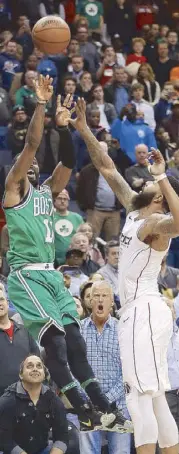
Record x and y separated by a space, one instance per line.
91 442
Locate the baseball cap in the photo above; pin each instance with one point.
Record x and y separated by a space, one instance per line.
18 108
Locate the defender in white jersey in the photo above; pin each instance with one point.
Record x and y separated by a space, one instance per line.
146 323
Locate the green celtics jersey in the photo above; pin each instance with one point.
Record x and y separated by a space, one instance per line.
65 228
31 229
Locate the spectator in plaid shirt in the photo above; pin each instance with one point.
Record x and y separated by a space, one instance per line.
100 332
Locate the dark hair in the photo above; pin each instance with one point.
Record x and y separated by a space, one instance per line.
66 78
175 185
110 245
46 371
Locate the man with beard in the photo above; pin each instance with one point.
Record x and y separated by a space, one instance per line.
17 131
146 322
36 289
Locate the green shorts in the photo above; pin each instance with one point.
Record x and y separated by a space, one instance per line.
42 300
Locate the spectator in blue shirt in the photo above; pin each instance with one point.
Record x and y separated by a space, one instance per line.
9 65
131 131
100 332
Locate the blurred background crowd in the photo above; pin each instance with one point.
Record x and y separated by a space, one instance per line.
123 58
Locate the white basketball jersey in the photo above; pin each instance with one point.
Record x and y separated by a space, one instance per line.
139 264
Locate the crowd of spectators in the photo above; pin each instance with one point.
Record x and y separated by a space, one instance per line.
123 59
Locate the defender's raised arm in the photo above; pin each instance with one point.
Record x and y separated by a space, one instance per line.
100 159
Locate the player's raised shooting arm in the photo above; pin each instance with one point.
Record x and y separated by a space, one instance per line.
63 170
159 224
101 160
44 90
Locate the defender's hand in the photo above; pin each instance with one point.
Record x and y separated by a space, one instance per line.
80 122
64 111
158 167
43 88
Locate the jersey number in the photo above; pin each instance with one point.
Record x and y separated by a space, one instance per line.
49 231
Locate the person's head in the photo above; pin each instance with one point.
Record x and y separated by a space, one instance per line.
73 47
98 93
176 158
120 3
77 63
85 295
19 114
32 173
74 257
11 48
86 229
146 72
110 54
141 152
164 30
69 85
22 21
137 92
138 45
94 118
3 304
82 22
38 53
33 371
112 253
79 306
80 241
30 76
32 62
119 74
168 91
152 198
82 34
86 79
154 30
131 112
162 135
162 49
175 109
172 37
61 202
101 301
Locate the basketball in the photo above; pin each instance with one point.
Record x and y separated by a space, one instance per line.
51 34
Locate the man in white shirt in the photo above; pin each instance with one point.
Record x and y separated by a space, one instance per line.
137 93
107 111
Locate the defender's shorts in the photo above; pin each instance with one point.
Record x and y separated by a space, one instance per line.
145 330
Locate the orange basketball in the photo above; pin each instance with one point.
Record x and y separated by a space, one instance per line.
51 34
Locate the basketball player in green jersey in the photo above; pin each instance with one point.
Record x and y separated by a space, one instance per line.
36 289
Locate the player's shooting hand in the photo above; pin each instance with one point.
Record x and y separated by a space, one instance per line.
64 111
43 88
80 121
158 166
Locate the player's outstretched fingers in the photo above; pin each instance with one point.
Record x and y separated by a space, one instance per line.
66 101
73 110
41 80
70 102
